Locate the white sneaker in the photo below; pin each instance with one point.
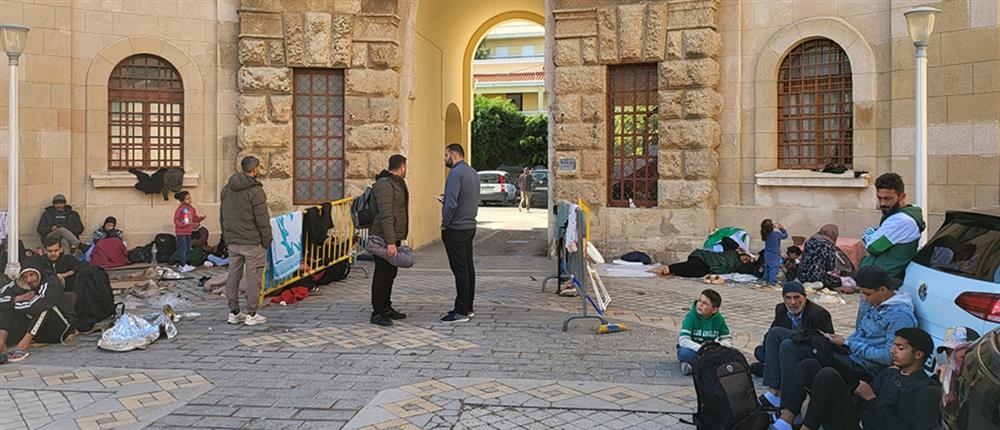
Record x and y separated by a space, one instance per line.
255 319
208 264
239 318
686 368
185 269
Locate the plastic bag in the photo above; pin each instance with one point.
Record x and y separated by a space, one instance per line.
132 332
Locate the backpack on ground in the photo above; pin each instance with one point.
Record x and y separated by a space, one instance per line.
362 212
727 399
166 244
95 300
139 254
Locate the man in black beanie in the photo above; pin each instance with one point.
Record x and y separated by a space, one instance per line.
795 313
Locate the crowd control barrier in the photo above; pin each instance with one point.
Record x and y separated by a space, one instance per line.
337 247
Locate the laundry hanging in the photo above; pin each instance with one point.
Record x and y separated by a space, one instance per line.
286 243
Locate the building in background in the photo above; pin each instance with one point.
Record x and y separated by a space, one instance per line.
509 64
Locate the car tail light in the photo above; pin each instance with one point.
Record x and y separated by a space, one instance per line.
503 189
982 305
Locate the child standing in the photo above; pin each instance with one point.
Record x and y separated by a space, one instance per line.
186 219
704 323
772 234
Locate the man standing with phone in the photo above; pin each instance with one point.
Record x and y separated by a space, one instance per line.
458 228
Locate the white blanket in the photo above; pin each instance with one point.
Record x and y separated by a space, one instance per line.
286 243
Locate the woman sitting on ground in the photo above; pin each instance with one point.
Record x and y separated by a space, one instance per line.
108 229
819 256
702 262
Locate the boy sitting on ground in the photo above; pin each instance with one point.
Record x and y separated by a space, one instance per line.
900 397
704 323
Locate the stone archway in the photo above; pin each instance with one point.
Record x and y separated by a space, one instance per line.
470 51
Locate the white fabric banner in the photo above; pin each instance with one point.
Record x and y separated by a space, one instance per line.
286 243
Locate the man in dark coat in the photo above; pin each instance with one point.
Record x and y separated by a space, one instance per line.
796 313
391 204
55 262
246 225
61 221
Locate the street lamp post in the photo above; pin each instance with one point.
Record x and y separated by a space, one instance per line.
13 37
920 24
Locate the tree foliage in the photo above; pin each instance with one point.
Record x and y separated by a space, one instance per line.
502 136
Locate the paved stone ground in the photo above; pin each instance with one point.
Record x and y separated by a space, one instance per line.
319 364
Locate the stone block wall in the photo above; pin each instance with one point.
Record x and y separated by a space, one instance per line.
681 38
278 36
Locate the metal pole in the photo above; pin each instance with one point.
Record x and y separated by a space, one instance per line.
920 134
13 250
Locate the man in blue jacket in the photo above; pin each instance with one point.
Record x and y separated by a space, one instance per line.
883 311
460 205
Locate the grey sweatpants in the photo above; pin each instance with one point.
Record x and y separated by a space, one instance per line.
246 265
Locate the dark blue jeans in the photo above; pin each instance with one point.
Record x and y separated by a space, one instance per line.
773 342
184 244
686 355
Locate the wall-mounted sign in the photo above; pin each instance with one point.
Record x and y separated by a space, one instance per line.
567 164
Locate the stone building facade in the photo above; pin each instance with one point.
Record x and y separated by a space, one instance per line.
720 139
693 145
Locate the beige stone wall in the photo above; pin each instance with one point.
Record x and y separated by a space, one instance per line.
963 95
679 36
360 37
71 50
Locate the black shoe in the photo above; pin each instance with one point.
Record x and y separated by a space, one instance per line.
382 320
454 317
757 369
395 315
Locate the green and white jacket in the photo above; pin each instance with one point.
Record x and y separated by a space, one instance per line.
895 242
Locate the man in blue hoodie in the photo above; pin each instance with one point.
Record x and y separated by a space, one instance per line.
863 354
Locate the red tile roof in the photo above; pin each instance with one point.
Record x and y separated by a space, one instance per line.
509 77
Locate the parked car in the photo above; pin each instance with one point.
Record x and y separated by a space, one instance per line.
496 186
540 188
972 385
955 279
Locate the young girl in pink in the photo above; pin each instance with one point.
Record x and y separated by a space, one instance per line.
186 220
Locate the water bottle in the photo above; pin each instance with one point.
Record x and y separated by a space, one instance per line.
611 328
153 251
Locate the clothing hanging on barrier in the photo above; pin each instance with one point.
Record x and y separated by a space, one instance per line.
571 228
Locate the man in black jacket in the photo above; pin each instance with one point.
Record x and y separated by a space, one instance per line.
901 397
797 313
61 221
33 308
391 204
55 262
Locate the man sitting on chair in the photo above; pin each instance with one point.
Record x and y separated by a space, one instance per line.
33 309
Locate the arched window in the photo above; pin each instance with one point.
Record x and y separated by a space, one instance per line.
814 107
145 114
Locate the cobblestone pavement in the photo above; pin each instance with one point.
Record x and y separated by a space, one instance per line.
319 364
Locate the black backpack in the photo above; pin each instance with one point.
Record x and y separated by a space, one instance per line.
727 399
166 244
139 254
95 300
362 212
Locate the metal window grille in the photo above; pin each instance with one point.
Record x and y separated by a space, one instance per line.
145 114
318 161
815 124
633 123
